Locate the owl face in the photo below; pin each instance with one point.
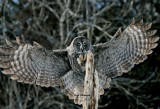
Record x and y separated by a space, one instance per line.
81 45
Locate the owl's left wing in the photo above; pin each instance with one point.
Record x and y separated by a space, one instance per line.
126 49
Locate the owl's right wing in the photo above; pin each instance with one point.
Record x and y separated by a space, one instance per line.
30 64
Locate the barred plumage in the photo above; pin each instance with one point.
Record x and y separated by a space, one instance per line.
29 64
66 68
125 49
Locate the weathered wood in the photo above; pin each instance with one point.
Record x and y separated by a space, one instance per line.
91 84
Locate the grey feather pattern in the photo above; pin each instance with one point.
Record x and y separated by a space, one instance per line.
125 49
30 64
66 68
72 85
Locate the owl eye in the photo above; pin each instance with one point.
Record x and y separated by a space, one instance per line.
84 43
78 44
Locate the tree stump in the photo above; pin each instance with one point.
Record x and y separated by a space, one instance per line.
91 84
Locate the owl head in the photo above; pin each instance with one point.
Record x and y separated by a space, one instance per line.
80 45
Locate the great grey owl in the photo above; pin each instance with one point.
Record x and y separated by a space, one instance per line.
66 68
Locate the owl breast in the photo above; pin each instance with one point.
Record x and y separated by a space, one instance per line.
82 61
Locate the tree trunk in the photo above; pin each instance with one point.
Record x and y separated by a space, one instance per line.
91 84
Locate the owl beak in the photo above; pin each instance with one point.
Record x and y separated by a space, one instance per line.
81 48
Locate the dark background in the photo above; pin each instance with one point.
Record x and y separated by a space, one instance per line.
54 23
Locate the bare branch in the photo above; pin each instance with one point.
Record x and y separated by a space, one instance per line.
91 84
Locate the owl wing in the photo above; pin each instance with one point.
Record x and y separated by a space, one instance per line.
30 64
72 85
126 49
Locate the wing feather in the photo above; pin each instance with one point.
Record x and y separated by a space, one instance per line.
30 64
72 85
125 49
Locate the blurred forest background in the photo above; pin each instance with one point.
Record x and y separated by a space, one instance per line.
54 23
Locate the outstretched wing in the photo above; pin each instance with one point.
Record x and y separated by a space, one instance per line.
125 49
29 64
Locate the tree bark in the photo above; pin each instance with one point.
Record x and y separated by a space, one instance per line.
91 84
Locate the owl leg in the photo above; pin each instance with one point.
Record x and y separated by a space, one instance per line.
104 81
72 85
66 84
